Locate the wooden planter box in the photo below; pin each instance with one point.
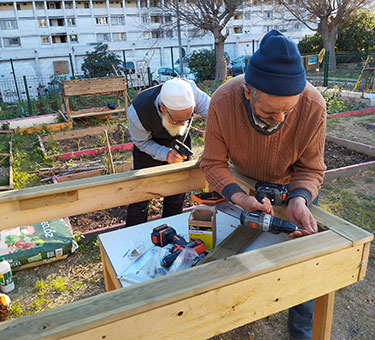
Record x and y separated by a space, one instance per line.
202 301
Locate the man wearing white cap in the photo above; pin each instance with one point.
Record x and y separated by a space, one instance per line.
157 117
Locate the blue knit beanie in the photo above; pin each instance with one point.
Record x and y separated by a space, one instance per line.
276 67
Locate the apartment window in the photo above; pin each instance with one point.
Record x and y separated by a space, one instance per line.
168 18
145 19
155 3
70 21
86 5
143 3
39 5
69 5
59 39
155 19
101 20
54 5
8 24
248 15
267 2
73 38
237 30
267 29
56 22
103 37
157 34
117 21
45 39
12 42
146 35
42 22
119 36
256 2
168 34
18 9
237 16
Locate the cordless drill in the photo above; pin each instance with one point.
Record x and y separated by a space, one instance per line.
276 193
266 222
196 244
182 149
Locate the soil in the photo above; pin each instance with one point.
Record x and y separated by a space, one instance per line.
354 305
90 142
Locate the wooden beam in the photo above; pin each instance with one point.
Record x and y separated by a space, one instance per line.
37 204
323 313
205 300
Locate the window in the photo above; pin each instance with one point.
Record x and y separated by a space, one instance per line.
237 30
51 5
157 34
101 20
168 34
145 19
8 24
103 37
154 3
39 5
237 16
168 18
69 5
146 35
18 9
268 15
70 21
42 23
59 39
73 38
57 22
12 42
86 5
117 21
143 3
119 36
156 19
45 39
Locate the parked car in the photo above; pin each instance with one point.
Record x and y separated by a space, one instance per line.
165 73
238 65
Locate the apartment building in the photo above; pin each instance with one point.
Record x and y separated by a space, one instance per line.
49 37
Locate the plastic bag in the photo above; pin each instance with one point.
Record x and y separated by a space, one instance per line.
183 261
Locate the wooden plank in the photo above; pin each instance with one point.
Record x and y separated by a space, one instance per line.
110 280
115 190
323 313
347 171
78 114
79 133
46 201
111 165
340 226
82 87
244 288
235 243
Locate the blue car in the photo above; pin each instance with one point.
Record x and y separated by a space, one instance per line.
238 65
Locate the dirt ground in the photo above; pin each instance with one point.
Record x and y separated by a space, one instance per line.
80 275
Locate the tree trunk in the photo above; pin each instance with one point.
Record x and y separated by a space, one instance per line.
329 37
219 50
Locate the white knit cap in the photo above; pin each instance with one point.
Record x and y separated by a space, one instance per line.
177 94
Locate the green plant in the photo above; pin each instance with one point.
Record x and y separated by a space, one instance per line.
336 104
203 63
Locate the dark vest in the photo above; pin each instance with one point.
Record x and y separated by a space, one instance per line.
152 122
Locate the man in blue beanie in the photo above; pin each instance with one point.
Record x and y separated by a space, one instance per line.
270 123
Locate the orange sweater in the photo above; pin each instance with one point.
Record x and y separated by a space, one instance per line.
293 155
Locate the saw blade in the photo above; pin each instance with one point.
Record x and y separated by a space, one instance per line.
229 209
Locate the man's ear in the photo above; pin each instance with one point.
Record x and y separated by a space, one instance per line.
246 92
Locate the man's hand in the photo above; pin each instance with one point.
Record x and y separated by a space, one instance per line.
300 214
174 157
250 203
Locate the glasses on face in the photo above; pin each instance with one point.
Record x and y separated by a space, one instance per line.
175 122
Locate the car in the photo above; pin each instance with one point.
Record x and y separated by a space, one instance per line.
163 74
238 65
188 74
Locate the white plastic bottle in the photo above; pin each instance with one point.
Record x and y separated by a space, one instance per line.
6 277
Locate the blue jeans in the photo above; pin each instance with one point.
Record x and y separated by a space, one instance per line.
301 317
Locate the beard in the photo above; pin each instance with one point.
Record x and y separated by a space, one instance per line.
172 129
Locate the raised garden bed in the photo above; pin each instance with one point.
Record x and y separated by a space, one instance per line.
85 142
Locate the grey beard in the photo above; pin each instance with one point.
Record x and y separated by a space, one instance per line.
172 129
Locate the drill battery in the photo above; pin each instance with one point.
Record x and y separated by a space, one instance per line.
165 234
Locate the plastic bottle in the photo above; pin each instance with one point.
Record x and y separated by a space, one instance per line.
6 277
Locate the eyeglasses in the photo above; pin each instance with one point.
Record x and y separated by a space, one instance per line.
175 122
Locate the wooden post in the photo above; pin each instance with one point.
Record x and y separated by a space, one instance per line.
323 315
111 166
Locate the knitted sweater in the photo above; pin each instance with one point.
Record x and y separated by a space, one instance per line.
293 155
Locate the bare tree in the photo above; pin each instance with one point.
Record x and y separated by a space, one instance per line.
324 17
213 16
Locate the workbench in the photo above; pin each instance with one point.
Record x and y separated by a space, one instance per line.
113 245
199 302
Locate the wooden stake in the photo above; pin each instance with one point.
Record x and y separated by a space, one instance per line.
112 167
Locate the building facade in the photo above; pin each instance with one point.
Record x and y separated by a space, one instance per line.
44 38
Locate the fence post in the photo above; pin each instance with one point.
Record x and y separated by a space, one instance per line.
15 79
125 69
326 66
28 96
172 57
71 64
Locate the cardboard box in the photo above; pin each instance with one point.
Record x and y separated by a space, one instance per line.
202 225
